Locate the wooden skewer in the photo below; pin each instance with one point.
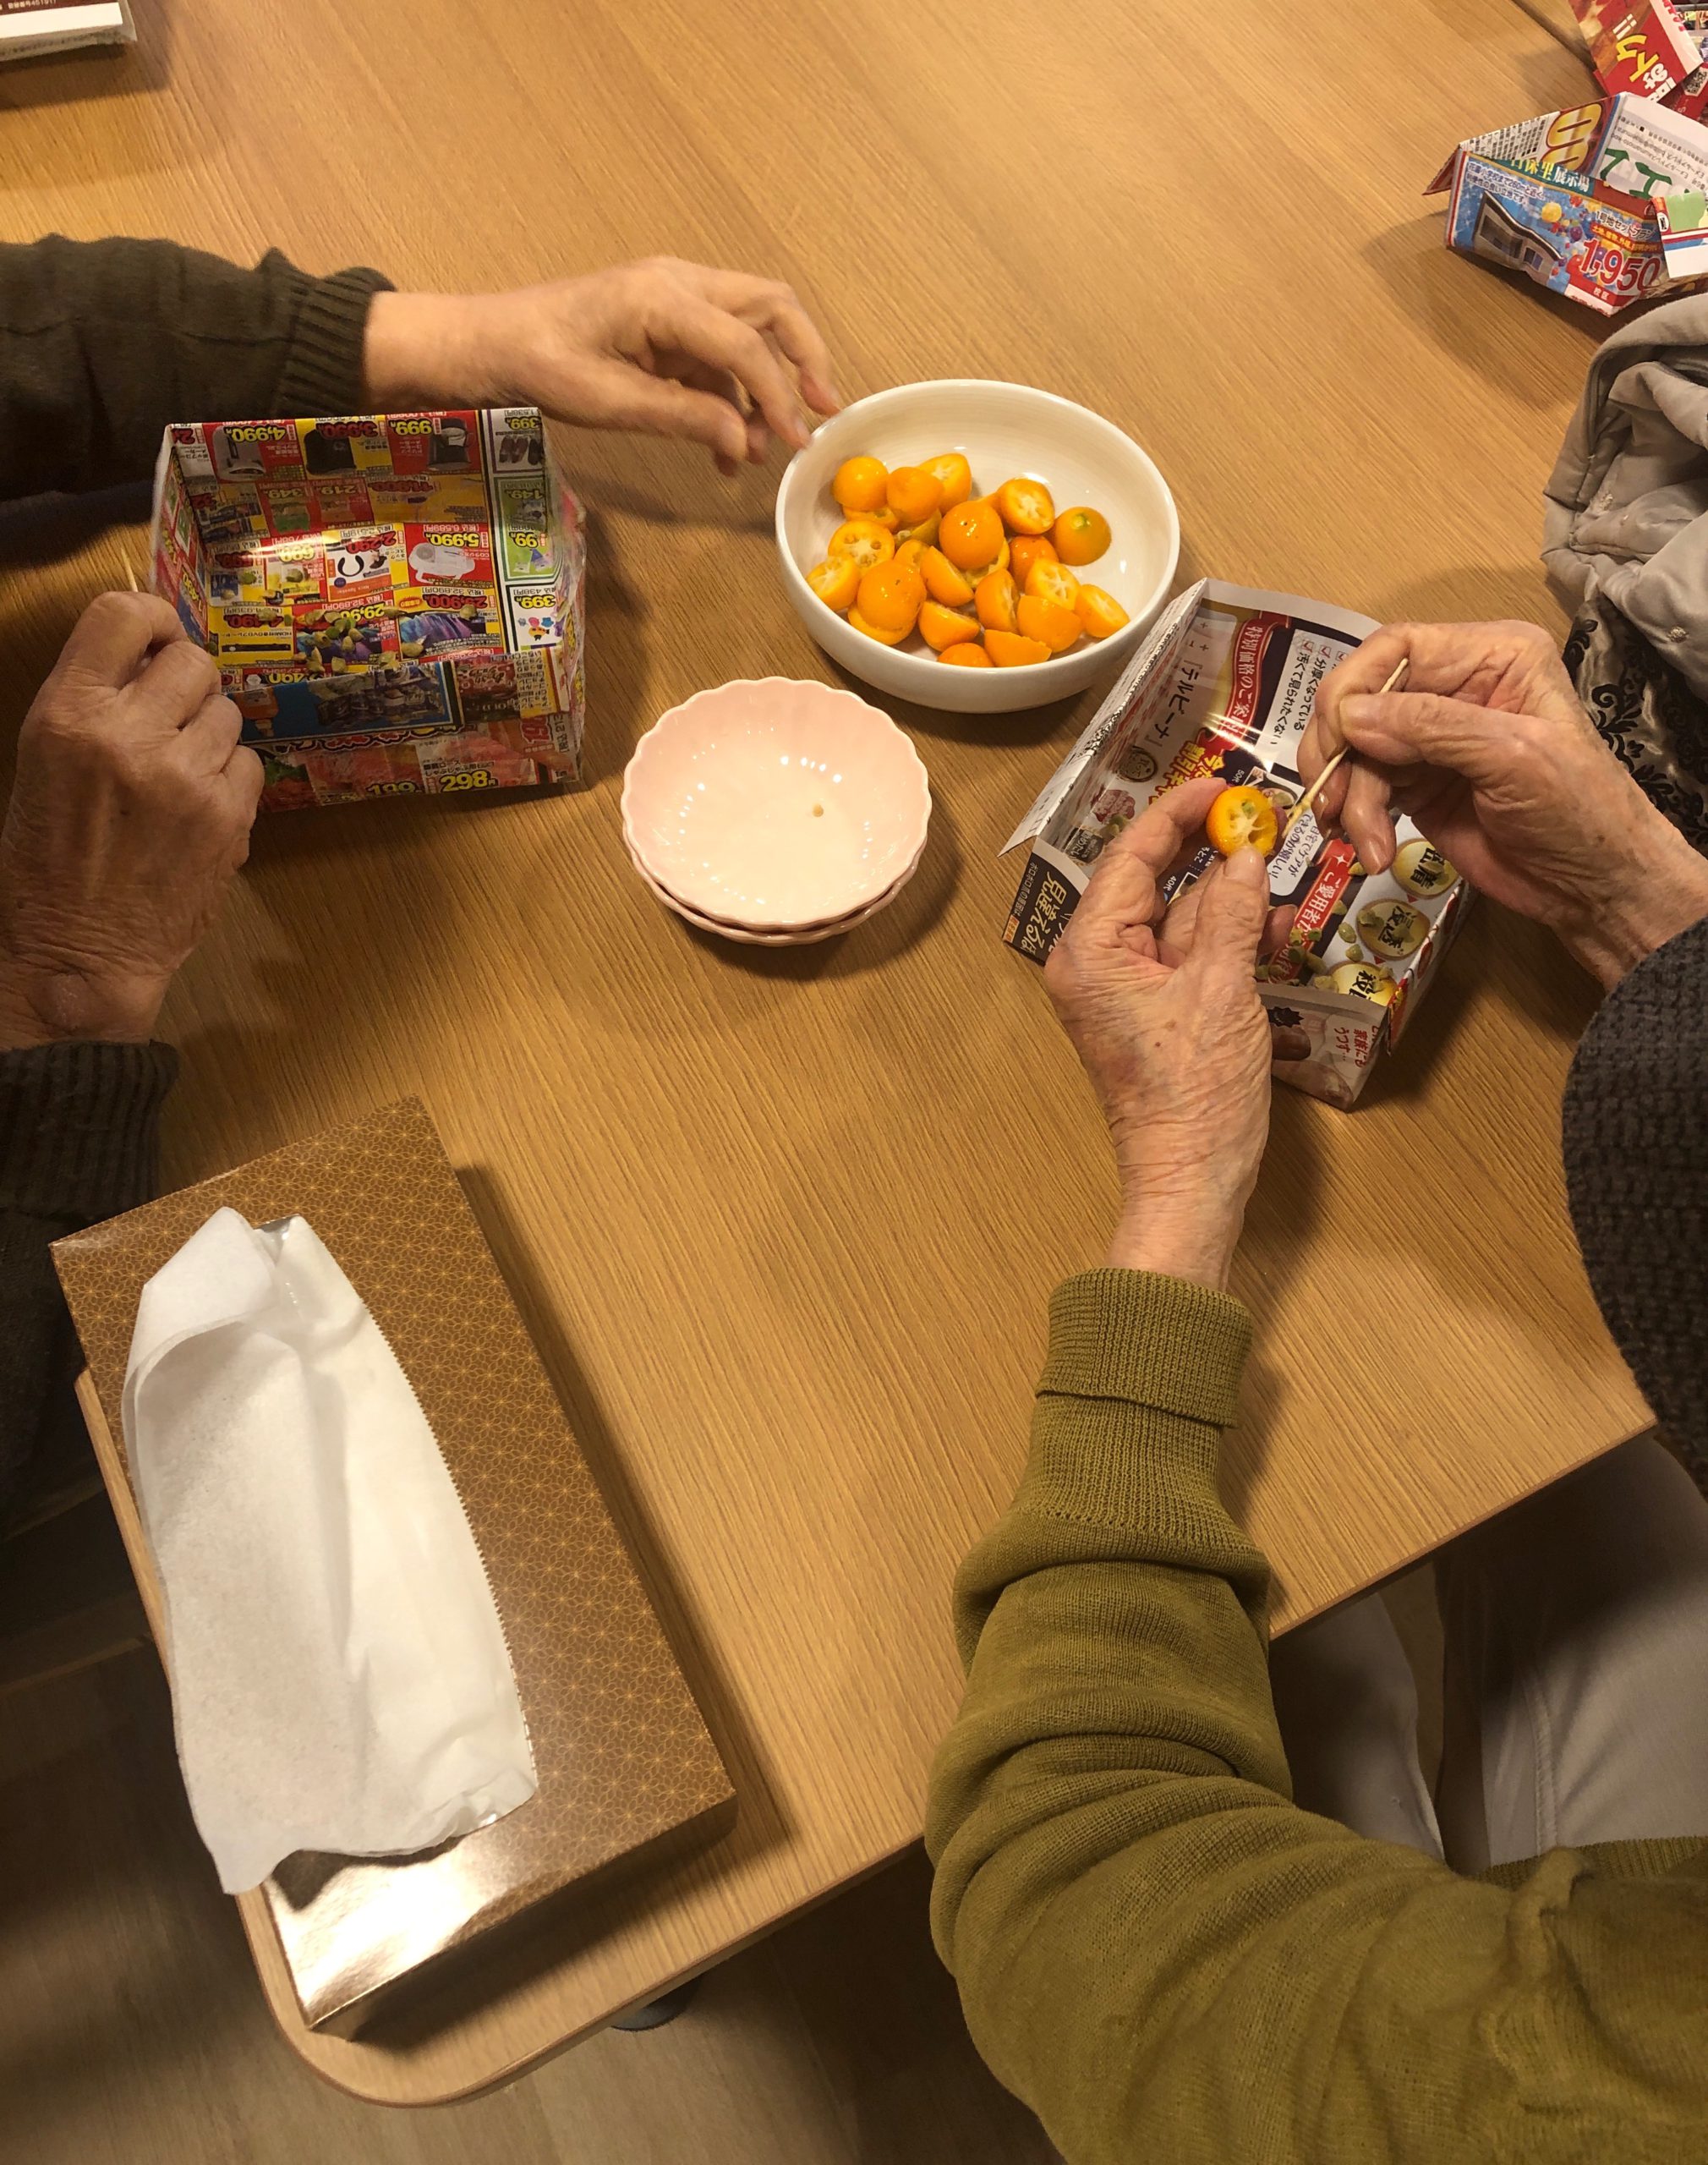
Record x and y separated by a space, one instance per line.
130 569
1310 798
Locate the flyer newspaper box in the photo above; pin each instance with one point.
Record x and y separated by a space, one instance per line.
1605 203
1224 685
394 599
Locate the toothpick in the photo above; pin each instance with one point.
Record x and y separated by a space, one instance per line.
130 570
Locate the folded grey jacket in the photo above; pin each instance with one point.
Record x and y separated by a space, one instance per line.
1626 519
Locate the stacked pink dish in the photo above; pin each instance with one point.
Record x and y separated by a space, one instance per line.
775 813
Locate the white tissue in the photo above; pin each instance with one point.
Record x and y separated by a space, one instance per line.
339 1677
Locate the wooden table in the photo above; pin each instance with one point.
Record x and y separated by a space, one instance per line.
784 1223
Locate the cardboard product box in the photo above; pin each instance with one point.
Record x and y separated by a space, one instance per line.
394 599
628 1775
1225 684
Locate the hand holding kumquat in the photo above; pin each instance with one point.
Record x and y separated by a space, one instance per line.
983 580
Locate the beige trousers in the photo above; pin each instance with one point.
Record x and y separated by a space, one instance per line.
1576 1684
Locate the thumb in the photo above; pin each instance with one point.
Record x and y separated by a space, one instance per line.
1232 918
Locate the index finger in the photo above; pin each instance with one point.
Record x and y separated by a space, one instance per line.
115 636
776 308
1123 889
711 333
1367 668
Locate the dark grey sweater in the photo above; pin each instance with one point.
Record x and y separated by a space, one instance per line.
78 1126
1635 1132
101 344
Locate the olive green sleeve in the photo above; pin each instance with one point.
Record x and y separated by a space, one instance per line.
1155 1948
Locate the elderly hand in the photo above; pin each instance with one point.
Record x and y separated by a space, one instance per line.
130 813
1488 749
664 347
1163 1011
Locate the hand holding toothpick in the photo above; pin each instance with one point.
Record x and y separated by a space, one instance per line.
1396 679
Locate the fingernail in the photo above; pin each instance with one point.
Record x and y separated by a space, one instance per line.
798 433
1357 707
1247 868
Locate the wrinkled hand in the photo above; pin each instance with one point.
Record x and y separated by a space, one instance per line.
1163 1011
130 813
664 347
1488 749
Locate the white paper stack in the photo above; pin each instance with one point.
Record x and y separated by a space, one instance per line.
30 27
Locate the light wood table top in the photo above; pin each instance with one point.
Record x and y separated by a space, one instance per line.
784 1223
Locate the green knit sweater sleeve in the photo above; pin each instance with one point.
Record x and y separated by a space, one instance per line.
1155 1947
103 342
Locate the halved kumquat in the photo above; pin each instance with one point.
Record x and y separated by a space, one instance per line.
941 628
971 533
874 631
945 582
912 494
952 471
889 597
965 655
1012 650
910 553
1026 549
835 582
864 540
859 484
925 531
1026 506
995 598
1099 612
1081 534
1053 583
1239 816
1039 619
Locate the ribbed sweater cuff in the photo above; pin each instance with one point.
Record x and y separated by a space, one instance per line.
1153 1340
1141 1378
324 372
78 1127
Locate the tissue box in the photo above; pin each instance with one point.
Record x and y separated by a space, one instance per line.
628 1771
1225 684
394 599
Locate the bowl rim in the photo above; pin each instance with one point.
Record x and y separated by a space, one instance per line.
794 925
1039 673
772 921
803 935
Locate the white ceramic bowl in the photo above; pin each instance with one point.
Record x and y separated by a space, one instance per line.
776 805
806 935
1005 428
